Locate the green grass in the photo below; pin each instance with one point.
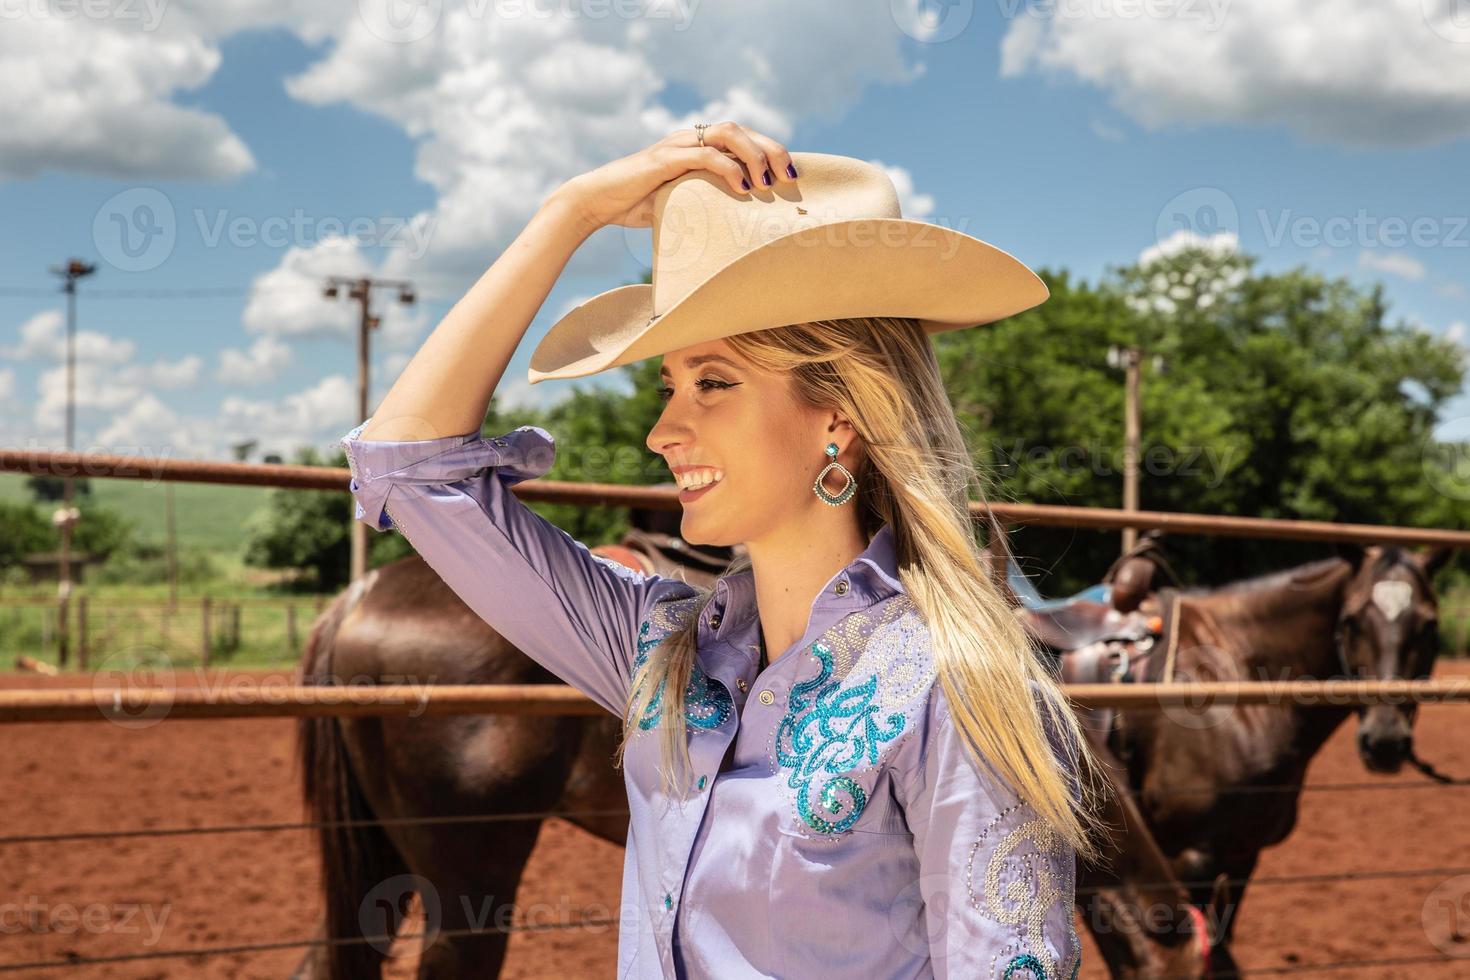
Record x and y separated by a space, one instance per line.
206 515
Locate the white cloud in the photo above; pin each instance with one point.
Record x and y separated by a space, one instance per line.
1393 263
911 204
94 96
507 111
7 384
43 338
108 387
289 300
315 416
262 362
1456 332
1388 73
1218 244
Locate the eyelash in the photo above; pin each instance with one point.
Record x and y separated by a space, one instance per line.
665 394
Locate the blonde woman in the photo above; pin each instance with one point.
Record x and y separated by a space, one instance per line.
844 759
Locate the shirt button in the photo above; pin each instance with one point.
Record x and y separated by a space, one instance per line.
740 683
841 588
767 697
714 621
701 782
500 442
668 900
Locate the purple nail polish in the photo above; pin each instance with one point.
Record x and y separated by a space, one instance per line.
791 171
745 183
766 177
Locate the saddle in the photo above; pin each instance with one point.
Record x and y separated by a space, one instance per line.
655 553
1108 632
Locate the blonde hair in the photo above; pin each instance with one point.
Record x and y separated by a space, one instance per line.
916 474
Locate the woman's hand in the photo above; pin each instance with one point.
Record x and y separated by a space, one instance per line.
621 192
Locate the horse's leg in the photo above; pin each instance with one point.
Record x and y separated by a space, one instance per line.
1135 909
354 858
467 873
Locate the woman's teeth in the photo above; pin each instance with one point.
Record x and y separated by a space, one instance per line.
694 479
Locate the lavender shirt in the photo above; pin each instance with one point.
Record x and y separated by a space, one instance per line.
834 824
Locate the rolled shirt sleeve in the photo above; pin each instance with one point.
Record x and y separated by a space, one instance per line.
997 883
575 613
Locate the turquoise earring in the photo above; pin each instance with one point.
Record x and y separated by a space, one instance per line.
845 494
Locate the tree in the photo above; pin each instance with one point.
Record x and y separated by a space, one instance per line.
309 530
1285 395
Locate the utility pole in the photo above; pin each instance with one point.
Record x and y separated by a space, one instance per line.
361 289
66 515
1131 360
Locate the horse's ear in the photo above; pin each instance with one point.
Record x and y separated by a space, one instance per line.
1351 552
1432 558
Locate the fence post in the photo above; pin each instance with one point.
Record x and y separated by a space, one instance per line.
291 639
82 653
204 617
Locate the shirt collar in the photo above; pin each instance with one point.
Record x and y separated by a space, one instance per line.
868 578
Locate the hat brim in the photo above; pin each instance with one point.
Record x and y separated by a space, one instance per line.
896 267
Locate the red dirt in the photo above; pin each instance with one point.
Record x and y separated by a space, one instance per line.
93 898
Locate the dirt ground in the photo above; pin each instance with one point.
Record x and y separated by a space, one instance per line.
137 897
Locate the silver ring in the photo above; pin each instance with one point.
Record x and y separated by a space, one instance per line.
699 129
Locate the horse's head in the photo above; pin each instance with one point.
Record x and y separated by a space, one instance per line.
1389 629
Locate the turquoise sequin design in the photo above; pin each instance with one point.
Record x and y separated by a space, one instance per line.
1025 961
707 704
841 729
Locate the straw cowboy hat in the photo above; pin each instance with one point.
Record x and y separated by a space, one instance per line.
832 244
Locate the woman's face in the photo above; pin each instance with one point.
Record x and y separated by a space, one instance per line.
725 419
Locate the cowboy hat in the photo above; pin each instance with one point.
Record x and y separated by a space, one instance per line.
830 245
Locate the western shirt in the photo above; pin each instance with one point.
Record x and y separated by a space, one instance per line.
833 823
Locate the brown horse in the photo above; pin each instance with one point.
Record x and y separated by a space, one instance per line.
402 624
387 789
1220 783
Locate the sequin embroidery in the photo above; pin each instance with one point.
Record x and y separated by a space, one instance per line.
1041 876
832 729
707 704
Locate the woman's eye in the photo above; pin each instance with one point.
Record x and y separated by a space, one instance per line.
665 394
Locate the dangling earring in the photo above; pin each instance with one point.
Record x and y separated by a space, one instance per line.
845 494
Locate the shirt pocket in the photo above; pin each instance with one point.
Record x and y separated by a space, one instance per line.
832 805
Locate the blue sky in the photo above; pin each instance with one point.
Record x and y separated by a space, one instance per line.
1072 135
